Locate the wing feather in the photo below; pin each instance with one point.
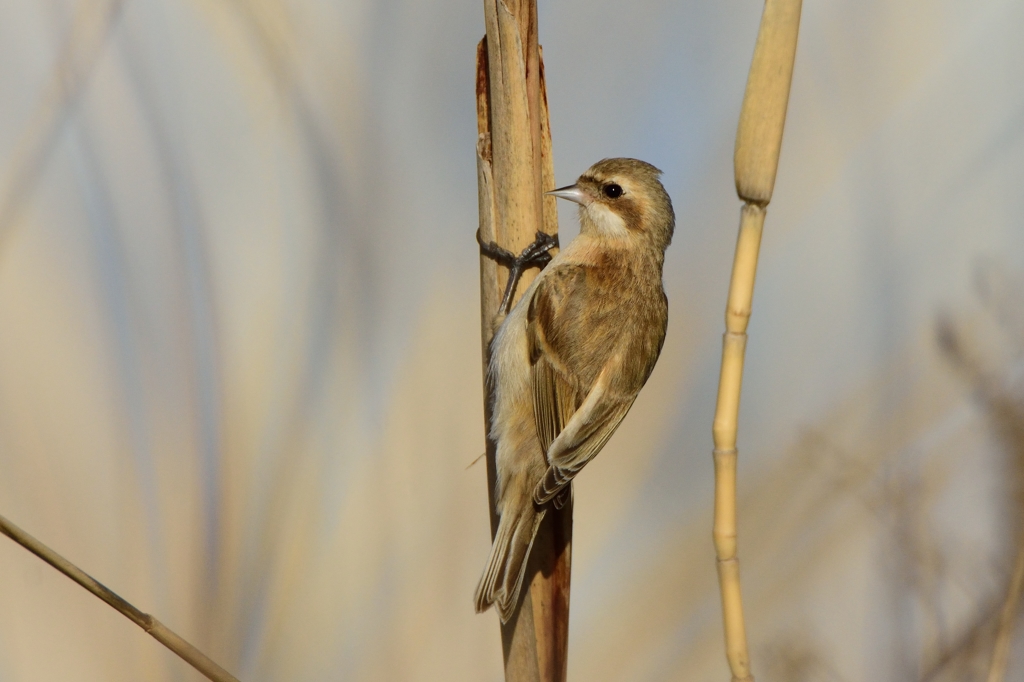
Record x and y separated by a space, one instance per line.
568 456
573 423
555 398
554 402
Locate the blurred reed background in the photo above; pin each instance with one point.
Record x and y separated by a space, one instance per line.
239 346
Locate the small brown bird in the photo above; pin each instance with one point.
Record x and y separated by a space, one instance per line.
568 361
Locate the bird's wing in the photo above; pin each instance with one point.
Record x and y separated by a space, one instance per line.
572 426
554 401
584 435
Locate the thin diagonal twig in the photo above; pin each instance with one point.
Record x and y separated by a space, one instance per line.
160 632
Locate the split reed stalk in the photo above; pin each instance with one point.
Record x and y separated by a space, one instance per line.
161 633
758 142
514 167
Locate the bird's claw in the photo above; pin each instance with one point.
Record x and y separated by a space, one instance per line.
536 255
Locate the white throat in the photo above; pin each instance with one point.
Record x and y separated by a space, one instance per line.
607 222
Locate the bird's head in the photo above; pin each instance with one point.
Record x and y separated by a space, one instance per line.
623 199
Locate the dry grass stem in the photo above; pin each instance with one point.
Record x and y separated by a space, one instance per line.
514 167
758 142
191 655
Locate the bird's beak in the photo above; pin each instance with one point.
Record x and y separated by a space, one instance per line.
572 193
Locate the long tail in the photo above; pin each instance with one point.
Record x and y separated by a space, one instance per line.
503 578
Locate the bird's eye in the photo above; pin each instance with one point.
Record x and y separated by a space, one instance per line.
612 191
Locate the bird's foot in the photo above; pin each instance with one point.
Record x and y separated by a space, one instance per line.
533 256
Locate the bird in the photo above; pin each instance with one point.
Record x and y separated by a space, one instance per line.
569 359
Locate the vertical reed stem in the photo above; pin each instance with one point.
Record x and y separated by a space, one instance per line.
514 167
758 142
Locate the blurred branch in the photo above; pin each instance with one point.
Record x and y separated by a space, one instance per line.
758 143
797 659
191 655
92 25
1005 412
514 166
1001 651
965 646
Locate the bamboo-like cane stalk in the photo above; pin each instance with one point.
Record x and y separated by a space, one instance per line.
513 168
160 632
758 142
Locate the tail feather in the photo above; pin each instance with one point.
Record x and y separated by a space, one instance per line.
503 577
